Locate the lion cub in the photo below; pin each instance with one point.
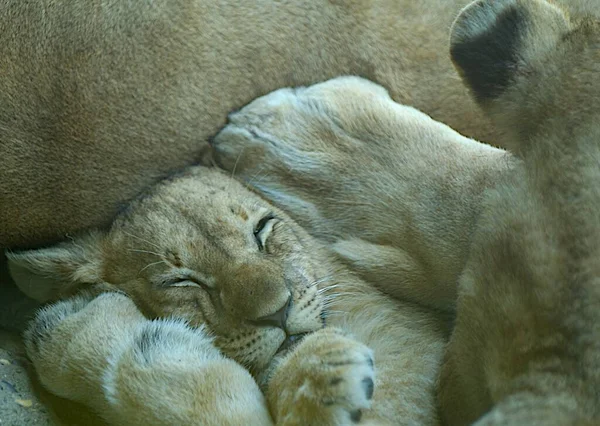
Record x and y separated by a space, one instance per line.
511 242
209 297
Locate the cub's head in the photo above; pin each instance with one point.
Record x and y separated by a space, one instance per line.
533 68
201 247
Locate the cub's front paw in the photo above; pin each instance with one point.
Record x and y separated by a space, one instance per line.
294 130
327 380
47 319
302 149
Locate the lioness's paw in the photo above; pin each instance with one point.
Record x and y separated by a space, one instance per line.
327 380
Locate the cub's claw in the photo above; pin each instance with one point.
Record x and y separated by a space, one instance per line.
328 380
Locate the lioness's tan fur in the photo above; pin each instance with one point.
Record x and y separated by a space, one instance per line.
99 99
187 250
427 214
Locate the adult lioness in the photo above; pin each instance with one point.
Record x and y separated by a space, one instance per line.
98 99
202 247
521 249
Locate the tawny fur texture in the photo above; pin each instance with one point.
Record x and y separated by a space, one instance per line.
395 193
511 242
100 99
272 311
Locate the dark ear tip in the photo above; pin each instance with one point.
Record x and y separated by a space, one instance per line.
479 17
484 45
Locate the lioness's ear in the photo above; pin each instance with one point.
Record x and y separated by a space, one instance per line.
494 43
48 273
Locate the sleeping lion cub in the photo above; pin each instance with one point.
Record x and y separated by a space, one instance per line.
258 291
511 242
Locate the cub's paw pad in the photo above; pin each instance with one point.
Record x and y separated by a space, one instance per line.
331 377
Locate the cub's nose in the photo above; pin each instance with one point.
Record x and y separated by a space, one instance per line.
277 319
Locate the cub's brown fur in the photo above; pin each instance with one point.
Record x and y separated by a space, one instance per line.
517 236
203 248
527 335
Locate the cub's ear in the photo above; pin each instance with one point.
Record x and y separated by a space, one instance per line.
49 273
496 44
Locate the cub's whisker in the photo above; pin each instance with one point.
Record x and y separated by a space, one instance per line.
149 265
142 239
332 312
328 288
256 178
237 160
329 301
145 251
320 281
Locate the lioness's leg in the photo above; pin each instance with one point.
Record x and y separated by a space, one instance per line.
103 353
526 345
396 192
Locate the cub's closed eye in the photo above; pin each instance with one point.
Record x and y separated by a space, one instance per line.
185 281
263 229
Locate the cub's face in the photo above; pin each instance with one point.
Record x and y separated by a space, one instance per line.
204 248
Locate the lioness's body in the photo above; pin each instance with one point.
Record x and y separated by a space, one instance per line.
98 99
